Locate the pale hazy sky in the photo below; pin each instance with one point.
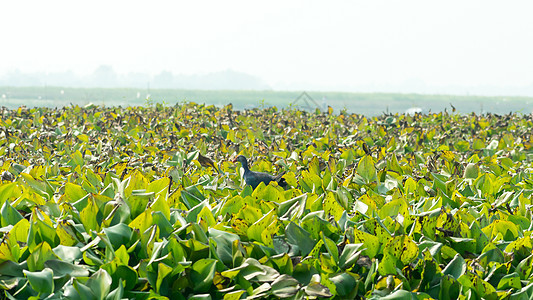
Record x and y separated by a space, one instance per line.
326 44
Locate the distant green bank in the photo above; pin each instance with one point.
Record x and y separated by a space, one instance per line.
361 103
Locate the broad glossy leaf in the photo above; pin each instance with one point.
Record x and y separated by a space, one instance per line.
256 229
162 271
349 255
371 243
402 248
367 169
88 216
510 281
449 288
10 216
224 242
61 268
299 237
99 283
344 283
39 256
119 234
456 267
41 281
202 273
525 267
285 286
142 221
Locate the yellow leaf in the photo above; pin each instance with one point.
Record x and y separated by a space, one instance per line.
66 235
401 247
88 216
206 215
240 226
255 230
370 242
5 253
161 205
448 155
269 232
366 168
83 138
143 221
332 207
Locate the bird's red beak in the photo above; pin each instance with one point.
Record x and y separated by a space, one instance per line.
234 160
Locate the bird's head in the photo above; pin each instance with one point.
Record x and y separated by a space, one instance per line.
240 159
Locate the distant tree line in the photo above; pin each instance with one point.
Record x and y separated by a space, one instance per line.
105 76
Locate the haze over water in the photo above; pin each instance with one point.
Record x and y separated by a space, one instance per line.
452 47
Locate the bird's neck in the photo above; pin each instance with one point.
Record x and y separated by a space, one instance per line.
245 167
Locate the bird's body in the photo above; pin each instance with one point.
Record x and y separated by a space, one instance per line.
253 179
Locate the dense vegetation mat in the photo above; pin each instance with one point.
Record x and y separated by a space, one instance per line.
144 203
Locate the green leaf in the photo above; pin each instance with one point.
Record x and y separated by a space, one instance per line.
142 221
99 283
285 286
456 267
315 289
67 233
162 223
83 291
42 281
39 256
161 206
200 297
11 268
255 231
331 247
462 245
349 256
449 288
202 274
257 271
76 159
61 268
491 253
403 248
388 265
126 274
525 267
471 171
224 245
462 146
401 295
162 272
484 184
234 295
9 190
366 169
118 293
370 242
508 230
510 281
268 193
299 237
479 236
10 216
68 254
119 234
344 283
311 183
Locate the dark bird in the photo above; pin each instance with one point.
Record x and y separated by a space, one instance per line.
255 178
